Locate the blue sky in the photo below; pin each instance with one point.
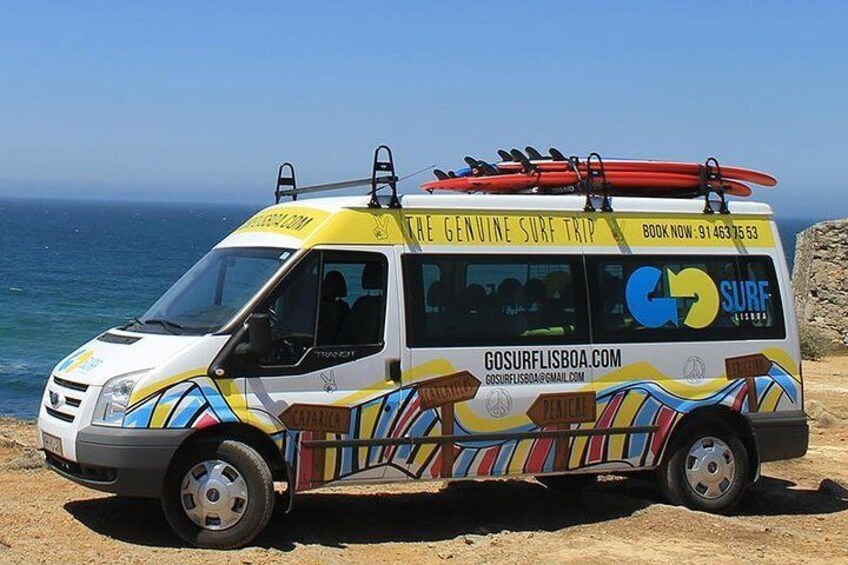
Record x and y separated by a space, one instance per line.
201 100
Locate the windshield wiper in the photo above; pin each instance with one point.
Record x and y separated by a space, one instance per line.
167 324
134 321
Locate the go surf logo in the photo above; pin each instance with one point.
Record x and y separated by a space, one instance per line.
81 360
742 300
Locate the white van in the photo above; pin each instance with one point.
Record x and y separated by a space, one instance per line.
355 339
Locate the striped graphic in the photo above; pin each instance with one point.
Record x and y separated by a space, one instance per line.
398 414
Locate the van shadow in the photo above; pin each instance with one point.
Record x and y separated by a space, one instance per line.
338 518
778 497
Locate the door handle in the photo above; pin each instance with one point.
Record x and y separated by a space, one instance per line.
394 370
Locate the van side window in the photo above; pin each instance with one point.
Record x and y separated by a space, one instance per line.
293 309
353 299
464 300
332 298
684 298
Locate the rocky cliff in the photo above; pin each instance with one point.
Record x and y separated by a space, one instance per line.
819 279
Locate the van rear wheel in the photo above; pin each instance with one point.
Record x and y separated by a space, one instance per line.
708 471
219 494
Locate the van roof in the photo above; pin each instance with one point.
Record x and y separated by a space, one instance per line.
546 202
349 220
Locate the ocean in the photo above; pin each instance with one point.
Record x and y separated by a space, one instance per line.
71 269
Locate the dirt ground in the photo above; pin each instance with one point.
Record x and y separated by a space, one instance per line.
789 516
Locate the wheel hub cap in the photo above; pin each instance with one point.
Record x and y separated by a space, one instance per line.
710 467
214 495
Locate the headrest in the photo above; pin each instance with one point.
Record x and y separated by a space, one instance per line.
474 298
554 281
509 291
534 291
372 276
437 295
334 286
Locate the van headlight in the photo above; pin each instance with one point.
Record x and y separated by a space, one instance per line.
113 400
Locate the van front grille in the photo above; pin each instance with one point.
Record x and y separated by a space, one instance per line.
71 385
64 399
59 415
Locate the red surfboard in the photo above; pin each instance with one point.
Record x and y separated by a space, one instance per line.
629 182
735 173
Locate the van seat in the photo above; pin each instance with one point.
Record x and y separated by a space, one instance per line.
364 323
334 309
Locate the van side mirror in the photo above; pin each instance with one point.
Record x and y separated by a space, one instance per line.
259 334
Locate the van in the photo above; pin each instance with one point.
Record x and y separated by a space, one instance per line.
348 339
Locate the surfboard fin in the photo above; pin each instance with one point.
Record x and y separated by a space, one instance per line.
505 155
481 168
556 154
489 169
526 165
534 155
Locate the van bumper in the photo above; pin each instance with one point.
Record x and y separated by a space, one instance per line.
122 461
780 435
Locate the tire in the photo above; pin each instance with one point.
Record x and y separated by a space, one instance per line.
230 493
564 483
708 471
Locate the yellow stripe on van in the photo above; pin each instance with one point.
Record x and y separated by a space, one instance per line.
161 412
368 416
505 228
293 221
519 456
370 392
769 403
142 392
330 463
784 359
423 454
624 418
578 446
644 371
236 398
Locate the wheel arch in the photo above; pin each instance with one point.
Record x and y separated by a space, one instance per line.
719 416
245 433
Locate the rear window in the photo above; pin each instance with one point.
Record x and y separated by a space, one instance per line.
684 298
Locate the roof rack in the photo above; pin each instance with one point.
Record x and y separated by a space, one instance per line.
382 174
595 183
711 183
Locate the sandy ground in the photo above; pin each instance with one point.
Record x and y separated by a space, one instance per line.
788 517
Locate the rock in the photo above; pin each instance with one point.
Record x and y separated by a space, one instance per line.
827 420
29 460
820 414
819 279
831 487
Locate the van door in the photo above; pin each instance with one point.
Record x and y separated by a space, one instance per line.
334 327
497 348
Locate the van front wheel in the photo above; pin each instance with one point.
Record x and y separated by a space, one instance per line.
219 494
708 472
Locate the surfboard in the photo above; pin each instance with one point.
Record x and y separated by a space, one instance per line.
620 182
733 173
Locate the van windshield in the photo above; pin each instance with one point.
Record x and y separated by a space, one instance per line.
212 291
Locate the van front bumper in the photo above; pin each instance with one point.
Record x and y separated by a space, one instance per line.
780 435
122 461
